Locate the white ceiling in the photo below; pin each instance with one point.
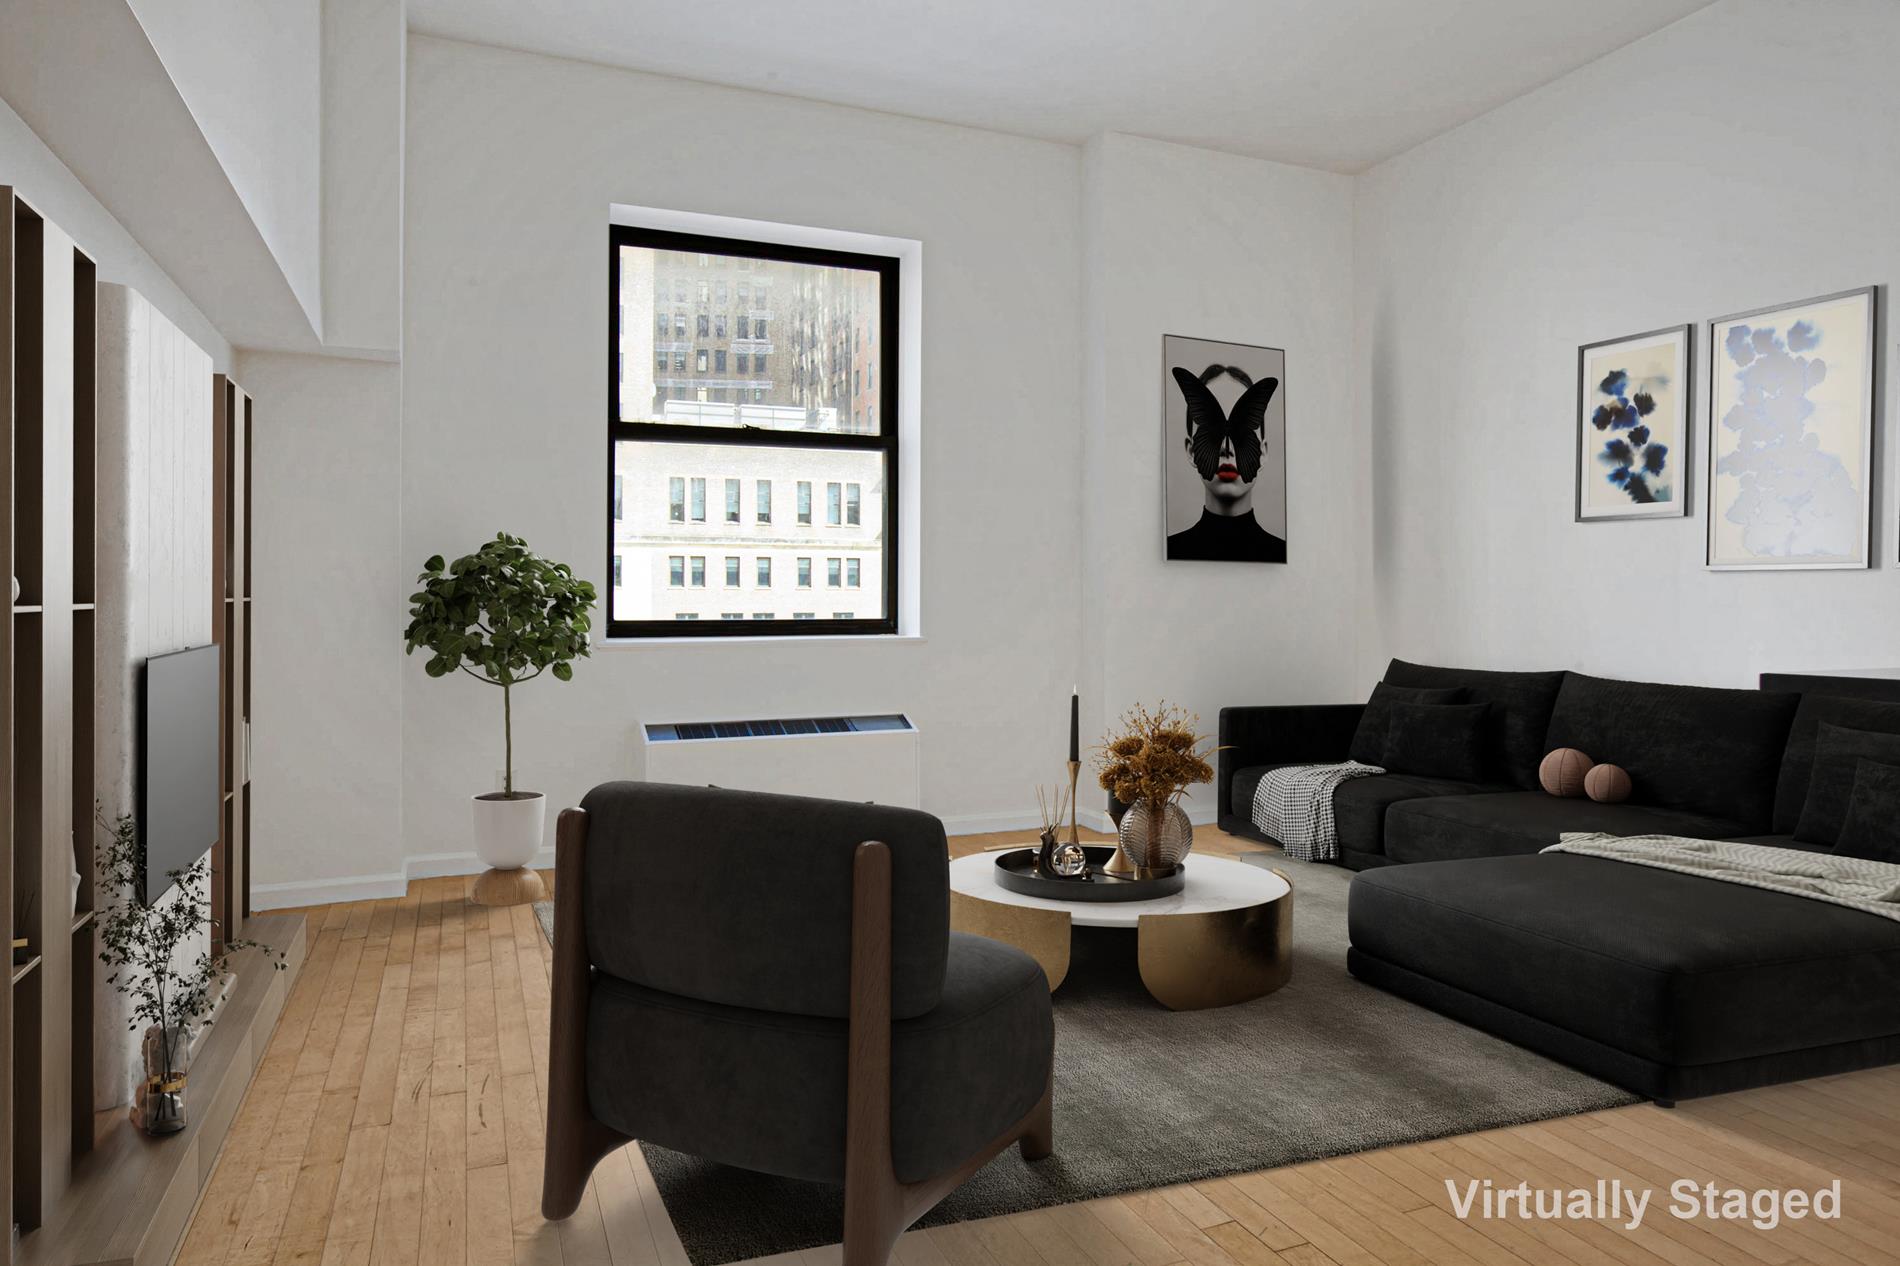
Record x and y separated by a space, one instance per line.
1340 84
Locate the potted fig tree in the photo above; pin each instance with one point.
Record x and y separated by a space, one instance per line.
503 615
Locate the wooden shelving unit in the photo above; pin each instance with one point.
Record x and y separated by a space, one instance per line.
48 352
232 411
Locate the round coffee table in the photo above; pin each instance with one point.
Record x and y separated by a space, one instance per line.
1226 937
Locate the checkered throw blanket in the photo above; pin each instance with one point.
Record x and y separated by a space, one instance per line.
1294 807
1854 882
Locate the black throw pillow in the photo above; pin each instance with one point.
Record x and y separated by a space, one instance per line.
1837 754
1368 741
1872 828
1439 740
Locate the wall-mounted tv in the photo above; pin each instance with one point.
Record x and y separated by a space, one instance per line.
181 794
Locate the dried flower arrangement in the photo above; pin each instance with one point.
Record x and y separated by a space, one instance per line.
1156 756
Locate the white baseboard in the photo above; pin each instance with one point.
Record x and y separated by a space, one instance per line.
319 892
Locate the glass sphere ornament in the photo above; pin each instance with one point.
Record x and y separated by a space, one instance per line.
1071 861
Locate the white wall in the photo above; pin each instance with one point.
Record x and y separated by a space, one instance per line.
1742 157
327 612
513 164
249 71
1186 241
364 45
44 181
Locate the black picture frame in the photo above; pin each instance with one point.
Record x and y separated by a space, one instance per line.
1682 501
886 441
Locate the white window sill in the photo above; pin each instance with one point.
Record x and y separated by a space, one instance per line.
637 643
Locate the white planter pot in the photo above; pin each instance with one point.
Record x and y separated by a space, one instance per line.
508 832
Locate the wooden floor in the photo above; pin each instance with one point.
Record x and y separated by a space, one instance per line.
397 1119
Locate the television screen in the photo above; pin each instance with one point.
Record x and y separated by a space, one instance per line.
180 792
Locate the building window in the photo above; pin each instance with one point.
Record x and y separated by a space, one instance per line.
676 571
842 615
804 615
687 615
732 615
799 417
617 580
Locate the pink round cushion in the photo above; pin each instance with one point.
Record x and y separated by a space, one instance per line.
1608 784
1562 772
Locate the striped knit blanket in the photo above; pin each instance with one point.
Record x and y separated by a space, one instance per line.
1294 807
1859 884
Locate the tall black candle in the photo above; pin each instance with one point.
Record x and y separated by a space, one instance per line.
1075 727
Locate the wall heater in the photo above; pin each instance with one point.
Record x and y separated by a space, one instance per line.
871 758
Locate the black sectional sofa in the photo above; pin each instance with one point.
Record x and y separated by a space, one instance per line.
1672 985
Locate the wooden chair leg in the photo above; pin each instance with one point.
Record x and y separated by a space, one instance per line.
1039 1136
576 1141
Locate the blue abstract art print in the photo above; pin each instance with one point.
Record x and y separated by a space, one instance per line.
1633 409
1791 428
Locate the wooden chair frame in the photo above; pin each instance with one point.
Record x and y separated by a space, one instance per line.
877 1206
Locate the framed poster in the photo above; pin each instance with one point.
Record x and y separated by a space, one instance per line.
1791 434
1223 426
1633 409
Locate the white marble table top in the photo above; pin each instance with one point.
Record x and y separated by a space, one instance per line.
1213 883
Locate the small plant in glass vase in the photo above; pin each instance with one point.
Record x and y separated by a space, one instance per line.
150 952
503 615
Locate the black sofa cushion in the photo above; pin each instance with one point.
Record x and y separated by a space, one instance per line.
1360 805
1797 766
1524 822
1781 841
1521 704
1697 748
1246 782
689 894
1674 968
1872 827
1447 740
1369 741
766 1091
1837 755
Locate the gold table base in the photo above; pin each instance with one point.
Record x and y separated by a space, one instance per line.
1188 962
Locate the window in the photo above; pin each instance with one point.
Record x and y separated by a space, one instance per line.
722 397
687 615
842 615
617 581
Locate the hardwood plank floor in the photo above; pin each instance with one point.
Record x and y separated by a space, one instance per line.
396 1120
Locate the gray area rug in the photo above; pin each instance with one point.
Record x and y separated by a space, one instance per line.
1147 1097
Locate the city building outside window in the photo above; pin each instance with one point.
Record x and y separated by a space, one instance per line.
799 407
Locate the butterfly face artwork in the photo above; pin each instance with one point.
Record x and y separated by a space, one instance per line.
1225 464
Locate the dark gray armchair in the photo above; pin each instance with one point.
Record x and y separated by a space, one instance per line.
771 982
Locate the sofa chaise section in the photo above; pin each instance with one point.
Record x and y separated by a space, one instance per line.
1672 985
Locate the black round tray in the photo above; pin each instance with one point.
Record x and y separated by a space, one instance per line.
1016 871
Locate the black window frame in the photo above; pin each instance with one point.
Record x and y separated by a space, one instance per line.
889 272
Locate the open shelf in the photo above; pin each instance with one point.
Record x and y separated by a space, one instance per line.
84 920
24 969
